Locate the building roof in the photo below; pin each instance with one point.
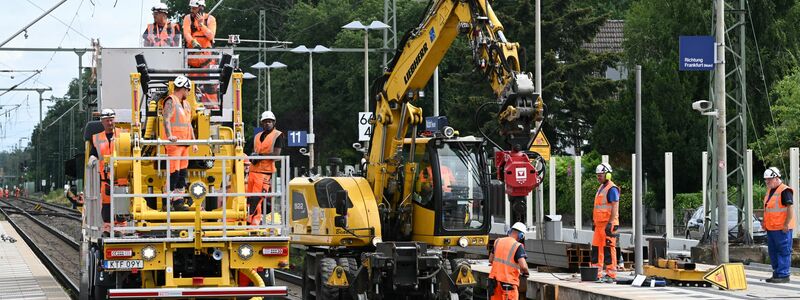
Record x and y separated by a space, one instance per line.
608 39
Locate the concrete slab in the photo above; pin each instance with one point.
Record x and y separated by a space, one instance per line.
569 286
24 276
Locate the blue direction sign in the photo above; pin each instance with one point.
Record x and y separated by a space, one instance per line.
298 138
696 53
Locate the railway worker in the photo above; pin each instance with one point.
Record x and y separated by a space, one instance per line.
199 29
507 258
103 145
177 125
606 223
162 33
269 141
779 222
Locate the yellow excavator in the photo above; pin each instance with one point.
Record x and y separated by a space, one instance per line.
392 233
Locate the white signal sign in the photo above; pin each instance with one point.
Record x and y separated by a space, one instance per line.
364 127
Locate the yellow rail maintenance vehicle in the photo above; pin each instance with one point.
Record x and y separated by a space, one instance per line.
148 249
391 234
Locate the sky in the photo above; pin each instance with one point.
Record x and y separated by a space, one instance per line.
116 23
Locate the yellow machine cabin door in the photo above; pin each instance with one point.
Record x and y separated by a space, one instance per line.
451 192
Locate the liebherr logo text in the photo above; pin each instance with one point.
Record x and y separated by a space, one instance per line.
414 65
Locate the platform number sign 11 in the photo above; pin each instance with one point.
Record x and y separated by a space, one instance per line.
364 127
298 138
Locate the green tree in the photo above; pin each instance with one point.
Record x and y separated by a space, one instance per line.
572 90
668 122
787 126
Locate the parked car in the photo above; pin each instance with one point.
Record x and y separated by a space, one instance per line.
695 226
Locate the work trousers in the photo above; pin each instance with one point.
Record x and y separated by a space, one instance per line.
177 164
604 250
502 294
779 245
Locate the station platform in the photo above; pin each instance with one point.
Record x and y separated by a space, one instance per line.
23 275
542 285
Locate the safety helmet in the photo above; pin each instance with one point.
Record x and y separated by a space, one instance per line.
160 7
107 113
603 168
519 226
772 172
267 115
182 82
196 3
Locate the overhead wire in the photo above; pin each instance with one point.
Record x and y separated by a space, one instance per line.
60 21
766 91
66 33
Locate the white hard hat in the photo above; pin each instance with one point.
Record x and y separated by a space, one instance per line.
520 227
196 3
160 7
107 113
603 168
182 82
268 115
772 172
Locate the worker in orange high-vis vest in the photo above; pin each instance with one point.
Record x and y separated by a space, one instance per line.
779 223
199 29
177 125
103 146
270 141
507 258
605 216
162 33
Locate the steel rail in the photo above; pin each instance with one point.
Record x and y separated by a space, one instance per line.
57 273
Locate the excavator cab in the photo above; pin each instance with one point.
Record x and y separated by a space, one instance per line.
450 193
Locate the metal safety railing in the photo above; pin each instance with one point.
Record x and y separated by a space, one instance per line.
273 221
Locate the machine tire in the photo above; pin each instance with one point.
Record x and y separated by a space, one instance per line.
325 267
351 266
464 292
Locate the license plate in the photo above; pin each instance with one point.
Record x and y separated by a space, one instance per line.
123 264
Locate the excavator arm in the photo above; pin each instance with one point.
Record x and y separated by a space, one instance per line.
418 55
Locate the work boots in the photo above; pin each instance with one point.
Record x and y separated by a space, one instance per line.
778 280
606 279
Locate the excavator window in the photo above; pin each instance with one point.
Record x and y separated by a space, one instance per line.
423 192
462 185
326 190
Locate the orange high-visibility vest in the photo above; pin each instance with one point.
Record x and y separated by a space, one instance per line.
156 36
193 30
180 120
265 148
775 212
602 208
504 268
104 147
205 37
447 177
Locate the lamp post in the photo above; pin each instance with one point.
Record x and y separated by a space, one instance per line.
262 66
357 25
310 52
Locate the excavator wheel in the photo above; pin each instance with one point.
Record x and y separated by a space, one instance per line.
325 268
463 292
351 266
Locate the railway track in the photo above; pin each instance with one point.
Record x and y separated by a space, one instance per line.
32 211
55 208
60 255
67 220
